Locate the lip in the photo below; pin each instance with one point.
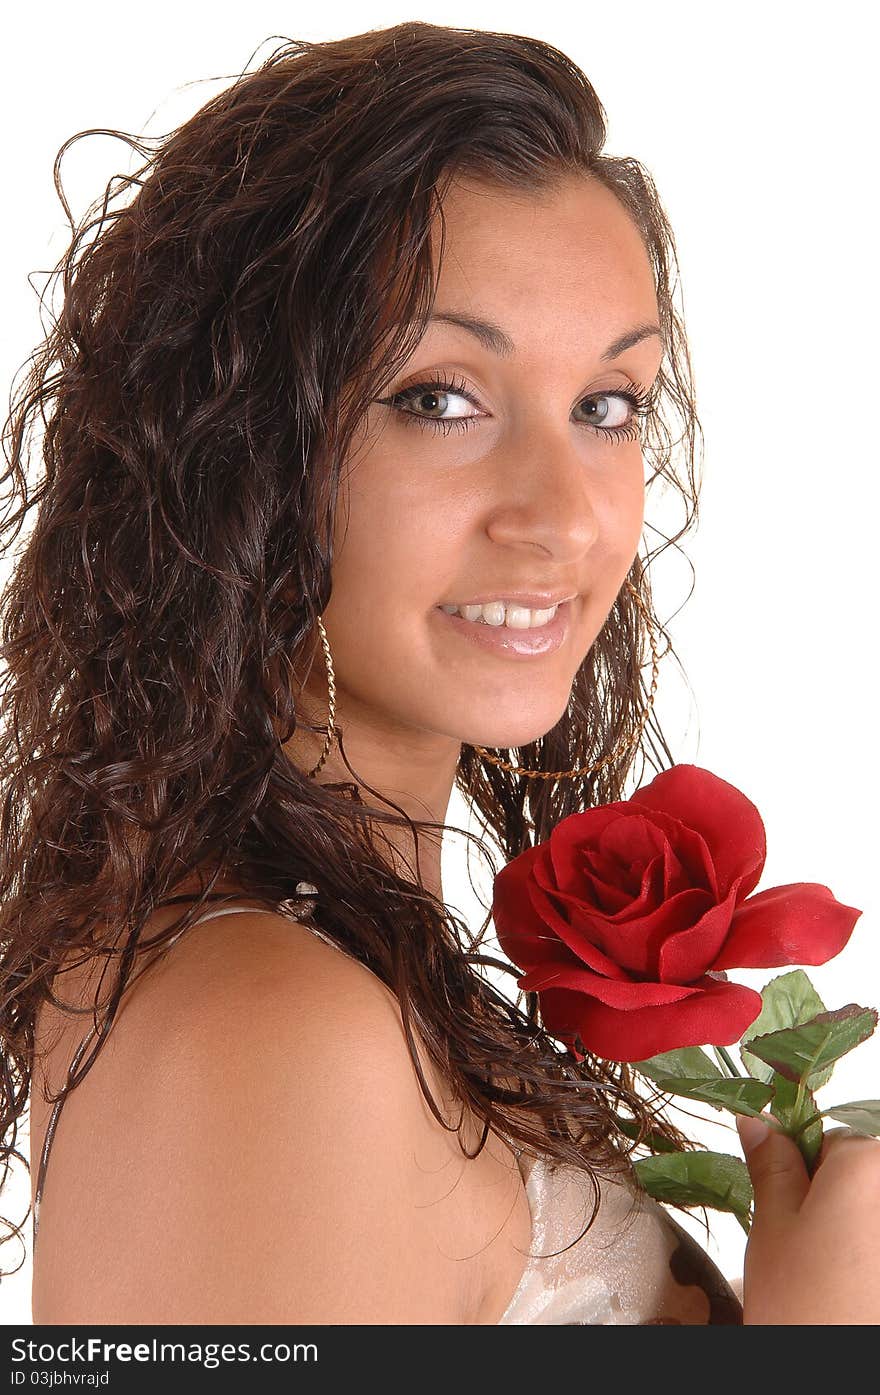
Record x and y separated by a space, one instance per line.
508 643
532 600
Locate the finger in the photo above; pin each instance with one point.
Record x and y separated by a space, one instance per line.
780 1180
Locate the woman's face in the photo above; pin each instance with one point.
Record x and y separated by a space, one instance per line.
526 476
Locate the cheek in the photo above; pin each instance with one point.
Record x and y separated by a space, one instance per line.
619 517
622 508
632 501
390 558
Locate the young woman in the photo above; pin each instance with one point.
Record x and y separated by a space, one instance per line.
344 487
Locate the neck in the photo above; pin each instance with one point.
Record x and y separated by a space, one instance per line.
417 774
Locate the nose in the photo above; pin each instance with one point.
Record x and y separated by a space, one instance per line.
545 495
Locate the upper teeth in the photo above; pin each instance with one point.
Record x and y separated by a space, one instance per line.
515 617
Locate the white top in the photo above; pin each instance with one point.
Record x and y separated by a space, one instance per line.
633 1267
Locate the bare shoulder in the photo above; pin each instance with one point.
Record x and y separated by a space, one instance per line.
252 1146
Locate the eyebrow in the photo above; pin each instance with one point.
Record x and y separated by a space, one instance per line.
498 341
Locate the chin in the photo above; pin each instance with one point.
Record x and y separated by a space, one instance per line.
512 738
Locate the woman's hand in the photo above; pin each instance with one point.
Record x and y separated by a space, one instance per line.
813 1253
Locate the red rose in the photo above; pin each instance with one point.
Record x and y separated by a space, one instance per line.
625 919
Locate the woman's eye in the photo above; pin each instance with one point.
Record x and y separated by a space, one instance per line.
432 400
433 405
607 409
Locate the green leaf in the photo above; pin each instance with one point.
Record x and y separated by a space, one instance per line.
788 1000
861 1115
793 1105
688 1061
718 1180
741 1095
655 1141
800 1053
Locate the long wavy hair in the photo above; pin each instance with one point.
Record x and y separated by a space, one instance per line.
221 336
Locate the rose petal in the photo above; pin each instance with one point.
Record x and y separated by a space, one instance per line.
578 938
632 936
729 822
511 881
629 844
689 953
599 888
634 843
589 828
602 903
528 924
537 947
612 892
650 893
800 923
621 995
602 896
718 1015
636 943
571 835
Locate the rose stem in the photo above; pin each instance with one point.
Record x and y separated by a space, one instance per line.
724 1057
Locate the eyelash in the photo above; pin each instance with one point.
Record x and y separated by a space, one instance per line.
641 400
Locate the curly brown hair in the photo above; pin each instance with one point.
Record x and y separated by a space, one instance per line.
221 336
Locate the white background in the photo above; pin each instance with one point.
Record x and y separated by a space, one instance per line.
758 124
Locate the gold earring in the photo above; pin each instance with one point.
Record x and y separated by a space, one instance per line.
496 760
331 688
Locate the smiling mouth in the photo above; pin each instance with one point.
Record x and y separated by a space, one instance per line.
508 641
525 618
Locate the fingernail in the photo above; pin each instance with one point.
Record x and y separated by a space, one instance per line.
752 1130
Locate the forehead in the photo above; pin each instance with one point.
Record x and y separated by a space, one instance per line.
572 247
